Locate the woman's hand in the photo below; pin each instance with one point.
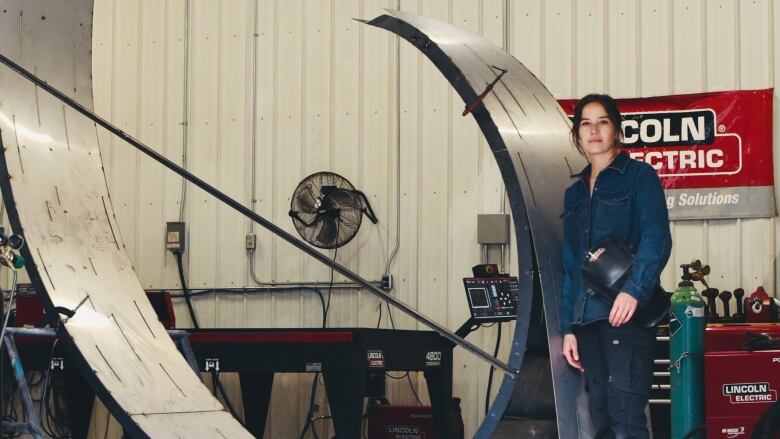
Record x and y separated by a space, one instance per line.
571 353
623 309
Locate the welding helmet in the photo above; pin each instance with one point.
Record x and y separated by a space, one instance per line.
606 268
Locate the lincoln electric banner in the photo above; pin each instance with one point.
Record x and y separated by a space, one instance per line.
713 151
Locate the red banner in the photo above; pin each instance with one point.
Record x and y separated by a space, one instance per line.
708 149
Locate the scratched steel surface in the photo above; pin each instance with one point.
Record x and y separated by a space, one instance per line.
55 191
528 133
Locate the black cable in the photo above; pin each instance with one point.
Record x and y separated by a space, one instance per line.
184 289
195 293
492 369
313 394
108 421
216 381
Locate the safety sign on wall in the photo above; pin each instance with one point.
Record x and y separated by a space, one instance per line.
712 151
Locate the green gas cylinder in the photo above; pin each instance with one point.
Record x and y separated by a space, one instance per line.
686 355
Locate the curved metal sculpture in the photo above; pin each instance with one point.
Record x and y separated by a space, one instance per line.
55 191
528 133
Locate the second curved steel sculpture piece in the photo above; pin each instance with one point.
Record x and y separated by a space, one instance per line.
528 133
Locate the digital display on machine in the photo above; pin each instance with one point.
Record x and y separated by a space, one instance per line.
492 299
479 298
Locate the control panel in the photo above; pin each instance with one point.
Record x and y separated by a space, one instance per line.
492 299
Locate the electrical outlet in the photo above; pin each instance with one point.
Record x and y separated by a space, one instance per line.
251 242
387 282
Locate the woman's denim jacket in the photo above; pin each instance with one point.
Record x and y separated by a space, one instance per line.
628 203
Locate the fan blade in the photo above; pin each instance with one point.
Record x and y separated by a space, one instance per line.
307 201
345 199
329 231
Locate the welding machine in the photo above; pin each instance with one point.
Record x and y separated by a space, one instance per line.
410 422
740 385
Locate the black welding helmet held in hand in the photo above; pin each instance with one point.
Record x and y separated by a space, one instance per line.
606 268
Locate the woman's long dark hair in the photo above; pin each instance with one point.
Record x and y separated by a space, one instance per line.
613 113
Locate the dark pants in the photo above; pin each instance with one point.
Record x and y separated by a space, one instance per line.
618 366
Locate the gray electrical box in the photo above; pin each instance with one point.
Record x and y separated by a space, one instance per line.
493 228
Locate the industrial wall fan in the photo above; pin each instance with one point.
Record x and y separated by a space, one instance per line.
327 210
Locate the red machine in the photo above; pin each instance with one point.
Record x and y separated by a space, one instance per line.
401 422
29 310
740 385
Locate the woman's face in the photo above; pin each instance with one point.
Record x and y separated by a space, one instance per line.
598 135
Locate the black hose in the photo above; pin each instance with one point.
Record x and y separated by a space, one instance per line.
218 384
186 292
492 369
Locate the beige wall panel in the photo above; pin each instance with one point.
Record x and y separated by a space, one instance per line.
405 267
722 36
102 70
377 139
202 155
687 46
409 89
622 48
260 308
655 47
589 47
433 190
758 235
344 65
287 417
235 117
526 40
315 156
722 61
151 231
558 49
173 121
123 159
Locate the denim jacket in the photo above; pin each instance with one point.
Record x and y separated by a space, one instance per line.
628 203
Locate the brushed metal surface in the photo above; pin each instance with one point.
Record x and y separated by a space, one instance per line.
528 133
55 191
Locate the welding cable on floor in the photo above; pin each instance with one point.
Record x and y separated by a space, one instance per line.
492 369
186 292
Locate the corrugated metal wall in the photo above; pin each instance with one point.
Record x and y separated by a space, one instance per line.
332 94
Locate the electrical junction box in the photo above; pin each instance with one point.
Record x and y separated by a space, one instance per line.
174 237
493 228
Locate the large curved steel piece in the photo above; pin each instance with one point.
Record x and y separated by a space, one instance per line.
528 133
55 191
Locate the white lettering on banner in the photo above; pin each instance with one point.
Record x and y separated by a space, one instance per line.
660 129
711 199
679 160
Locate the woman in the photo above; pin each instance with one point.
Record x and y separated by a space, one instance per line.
619 197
